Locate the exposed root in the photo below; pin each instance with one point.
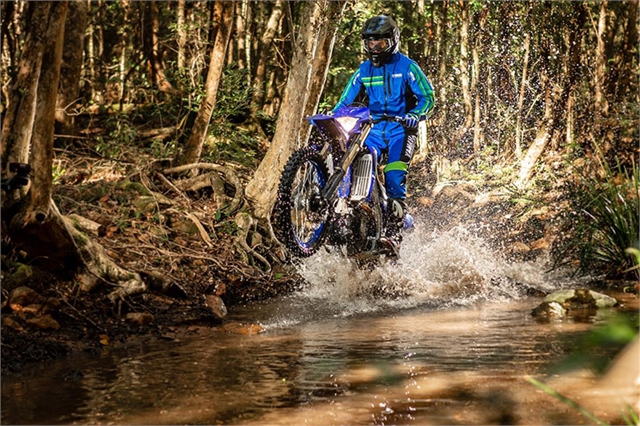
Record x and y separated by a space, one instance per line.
207 180
245 223
101 268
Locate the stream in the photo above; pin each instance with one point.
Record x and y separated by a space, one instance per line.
444 336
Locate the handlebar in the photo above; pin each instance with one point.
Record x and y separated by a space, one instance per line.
385 117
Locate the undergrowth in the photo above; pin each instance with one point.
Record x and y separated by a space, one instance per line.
605 202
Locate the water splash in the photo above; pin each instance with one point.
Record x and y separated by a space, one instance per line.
440 269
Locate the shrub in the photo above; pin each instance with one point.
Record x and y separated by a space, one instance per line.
606 204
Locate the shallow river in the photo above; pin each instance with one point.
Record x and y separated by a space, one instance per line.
444 339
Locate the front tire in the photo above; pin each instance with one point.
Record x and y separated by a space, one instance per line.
301 221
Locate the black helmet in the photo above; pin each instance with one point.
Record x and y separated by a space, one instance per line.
380 38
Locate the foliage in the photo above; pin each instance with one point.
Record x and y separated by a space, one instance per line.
607 218
234 95
230 141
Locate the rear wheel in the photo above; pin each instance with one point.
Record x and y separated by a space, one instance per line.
300 217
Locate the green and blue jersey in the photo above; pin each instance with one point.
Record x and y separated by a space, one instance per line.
396 88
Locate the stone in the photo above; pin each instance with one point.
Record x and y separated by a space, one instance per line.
24 296
45 322
246 329
549 309
563 302
216 305
12 322
581 299
139 318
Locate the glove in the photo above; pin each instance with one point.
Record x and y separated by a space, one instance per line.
410 121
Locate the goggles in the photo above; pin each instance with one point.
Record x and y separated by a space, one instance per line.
376 45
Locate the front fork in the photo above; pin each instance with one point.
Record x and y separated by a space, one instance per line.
331 189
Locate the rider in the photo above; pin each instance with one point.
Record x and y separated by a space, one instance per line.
391 84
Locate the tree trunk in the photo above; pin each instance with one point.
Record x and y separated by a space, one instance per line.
266 43
36 227
571 68
600 102
241 6
523 84
181 34
464 70
262 189
546 125
17 125
628 60
322 59
71 68
193 148
539 143
474 82
152 48
91 54
443 49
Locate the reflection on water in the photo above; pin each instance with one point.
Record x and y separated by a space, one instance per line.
437 366
403 344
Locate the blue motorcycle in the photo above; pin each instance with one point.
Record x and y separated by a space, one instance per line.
332 192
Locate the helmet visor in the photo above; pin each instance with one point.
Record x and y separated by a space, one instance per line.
376 45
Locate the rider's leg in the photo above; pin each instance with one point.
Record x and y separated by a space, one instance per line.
401 149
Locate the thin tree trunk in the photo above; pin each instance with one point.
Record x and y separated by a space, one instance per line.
464 70
627 63
247 15
600 102
523 84
573 46
71 67
266 44
324 51
124 43
546 125
193 148
17 125
262 189
152 48
240 35
42 139
181 34
477 130
443 49
90 53
539 143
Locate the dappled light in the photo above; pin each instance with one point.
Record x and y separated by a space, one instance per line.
319 212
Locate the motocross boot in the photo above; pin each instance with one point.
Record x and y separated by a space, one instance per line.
396 211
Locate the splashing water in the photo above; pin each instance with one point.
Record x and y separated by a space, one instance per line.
454 268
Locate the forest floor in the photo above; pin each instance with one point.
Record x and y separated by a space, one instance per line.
183 240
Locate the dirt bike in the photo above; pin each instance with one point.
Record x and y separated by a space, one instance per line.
331 192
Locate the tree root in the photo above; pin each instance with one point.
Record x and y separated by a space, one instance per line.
101 268
212 180
245 222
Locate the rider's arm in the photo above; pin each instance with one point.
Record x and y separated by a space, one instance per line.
423 90
351 91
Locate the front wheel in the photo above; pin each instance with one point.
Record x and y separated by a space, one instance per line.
300 216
